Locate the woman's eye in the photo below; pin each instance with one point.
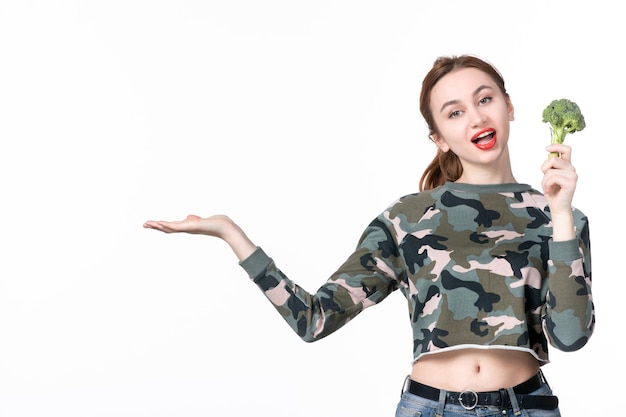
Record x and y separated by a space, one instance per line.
454 114
485 100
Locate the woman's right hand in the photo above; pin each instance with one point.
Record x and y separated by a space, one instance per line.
220 226
216 225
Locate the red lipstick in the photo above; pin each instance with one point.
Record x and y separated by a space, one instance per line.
485 139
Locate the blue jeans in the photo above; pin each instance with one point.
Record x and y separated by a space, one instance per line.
413 406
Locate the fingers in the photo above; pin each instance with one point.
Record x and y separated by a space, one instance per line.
562 162
172 226
163 226
556 179
216 225
564 151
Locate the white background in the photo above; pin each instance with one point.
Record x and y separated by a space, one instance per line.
298 119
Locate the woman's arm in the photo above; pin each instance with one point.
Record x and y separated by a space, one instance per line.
559 184
570 313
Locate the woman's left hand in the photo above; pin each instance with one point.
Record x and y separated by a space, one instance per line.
559 179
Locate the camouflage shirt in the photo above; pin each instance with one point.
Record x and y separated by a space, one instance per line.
476 263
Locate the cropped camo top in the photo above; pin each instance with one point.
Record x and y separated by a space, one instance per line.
476 263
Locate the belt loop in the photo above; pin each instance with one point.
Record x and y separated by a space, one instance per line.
404 385
443 394
504 400
514 403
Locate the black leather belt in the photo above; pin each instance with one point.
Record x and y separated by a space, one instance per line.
469 399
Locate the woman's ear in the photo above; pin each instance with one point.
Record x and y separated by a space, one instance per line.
511 110
440 142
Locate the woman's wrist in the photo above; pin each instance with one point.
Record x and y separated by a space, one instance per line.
241 245
563 226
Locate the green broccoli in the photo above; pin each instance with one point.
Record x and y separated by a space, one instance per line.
564 117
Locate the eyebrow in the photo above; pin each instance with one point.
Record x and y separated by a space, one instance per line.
476 92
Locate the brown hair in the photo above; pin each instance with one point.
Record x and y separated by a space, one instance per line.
446 166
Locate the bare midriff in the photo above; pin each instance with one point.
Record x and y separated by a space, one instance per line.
475 369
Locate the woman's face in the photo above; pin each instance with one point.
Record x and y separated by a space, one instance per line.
471 117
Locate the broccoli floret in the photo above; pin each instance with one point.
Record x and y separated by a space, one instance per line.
564 117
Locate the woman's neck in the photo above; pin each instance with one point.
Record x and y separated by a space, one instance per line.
497 172
487 177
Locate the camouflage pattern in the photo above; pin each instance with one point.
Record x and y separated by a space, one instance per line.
476 264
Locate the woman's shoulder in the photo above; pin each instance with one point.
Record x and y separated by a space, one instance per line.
418 197
415 203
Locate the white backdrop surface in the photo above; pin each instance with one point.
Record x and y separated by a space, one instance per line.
298 119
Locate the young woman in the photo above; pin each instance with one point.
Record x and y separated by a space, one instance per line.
493 269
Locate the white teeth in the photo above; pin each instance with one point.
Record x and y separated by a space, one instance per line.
486 135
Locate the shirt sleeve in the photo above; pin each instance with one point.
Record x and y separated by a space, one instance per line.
363 280
569 313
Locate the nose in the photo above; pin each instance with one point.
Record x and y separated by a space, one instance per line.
478 118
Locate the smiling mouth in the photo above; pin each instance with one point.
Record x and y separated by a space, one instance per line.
485 139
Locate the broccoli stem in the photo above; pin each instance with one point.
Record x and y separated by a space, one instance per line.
557 136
